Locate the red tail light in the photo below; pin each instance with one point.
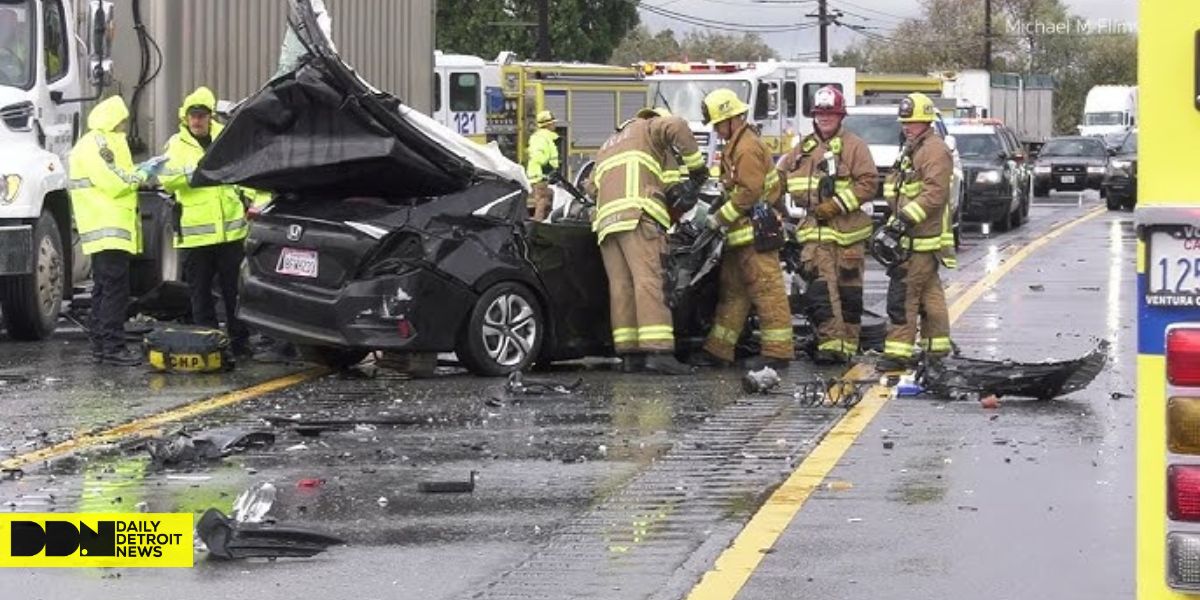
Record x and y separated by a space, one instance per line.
1183 492
1183 357
404 328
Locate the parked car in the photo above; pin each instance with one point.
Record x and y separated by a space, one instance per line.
877 125
1071 163
1120 182
389 232
995 171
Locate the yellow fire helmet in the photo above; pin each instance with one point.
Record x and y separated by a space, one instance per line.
721 105
917 108
545 118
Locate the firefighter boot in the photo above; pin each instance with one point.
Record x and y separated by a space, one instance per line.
633 363
666 364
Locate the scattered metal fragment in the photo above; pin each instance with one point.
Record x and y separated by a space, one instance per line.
447 487
184 447
1038 287
955 375
254 504
519 384
230 540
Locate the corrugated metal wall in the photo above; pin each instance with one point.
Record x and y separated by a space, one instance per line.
232 46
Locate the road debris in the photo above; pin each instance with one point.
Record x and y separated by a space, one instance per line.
183 447
520 385
448 487
761 381
1037 287
989 402
230 540
954 376
254 504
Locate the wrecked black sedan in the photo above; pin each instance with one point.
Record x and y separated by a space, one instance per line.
388 232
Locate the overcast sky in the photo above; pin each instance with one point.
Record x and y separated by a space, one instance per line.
880 14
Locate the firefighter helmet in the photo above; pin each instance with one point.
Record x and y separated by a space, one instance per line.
721 105
545 118
829 100
917 108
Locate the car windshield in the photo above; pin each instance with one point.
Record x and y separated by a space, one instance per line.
978 144
684 97
1104 118
1074 147
1129 146
876 130
16 31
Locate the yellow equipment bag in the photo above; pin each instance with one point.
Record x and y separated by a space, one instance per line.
188 349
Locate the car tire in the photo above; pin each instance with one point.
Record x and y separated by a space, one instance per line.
31 303
1112 203
334 358
1041 191
504 332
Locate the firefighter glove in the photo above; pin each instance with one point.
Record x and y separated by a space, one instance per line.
698 176
896 227
826 210
554 177
683 196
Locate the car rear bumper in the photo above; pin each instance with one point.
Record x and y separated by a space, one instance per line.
1120 187
372 314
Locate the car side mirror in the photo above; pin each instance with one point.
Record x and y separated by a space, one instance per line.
1112 151
951 143
100 38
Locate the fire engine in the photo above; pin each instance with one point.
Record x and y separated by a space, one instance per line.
1168 300
779 93
498 101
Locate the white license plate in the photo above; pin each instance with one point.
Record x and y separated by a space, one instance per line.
1068 179
1173 271
298 262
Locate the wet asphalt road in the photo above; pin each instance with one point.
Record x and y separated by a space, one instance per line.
630 487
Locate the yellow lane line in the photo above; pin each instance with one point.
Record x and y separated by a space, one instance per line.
738 562
143 425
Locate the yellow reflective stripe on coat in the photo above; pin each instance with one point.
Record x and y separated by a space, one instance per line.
848 200
771 180
729 211
829 234
899 349
915 212
693 161
923 244
740 236
628 157
802 184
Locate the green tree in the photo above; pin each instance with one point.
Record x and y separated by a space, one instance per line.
580 30
640 44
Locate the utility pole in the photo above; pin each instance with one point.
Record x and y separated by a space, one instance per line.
823 15
987 35
543 29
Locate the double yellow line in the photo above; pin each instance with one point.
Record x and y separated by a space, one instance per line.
736 564
146 425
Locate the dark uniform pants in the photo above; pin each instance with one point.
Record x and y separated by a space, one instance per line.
223 261
543 200
751 279
915 291
110 300
835 295
634 262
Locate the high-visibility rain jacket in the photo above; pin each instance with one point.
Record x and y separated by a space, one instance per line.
543 155
210 215
630 175
749 178
918 190
855 181
104 185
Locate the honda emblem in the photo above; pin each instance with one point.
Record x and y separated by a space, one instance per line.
294 232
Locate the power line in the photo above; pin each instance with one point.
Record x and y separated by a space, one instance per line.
724 25
878 12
